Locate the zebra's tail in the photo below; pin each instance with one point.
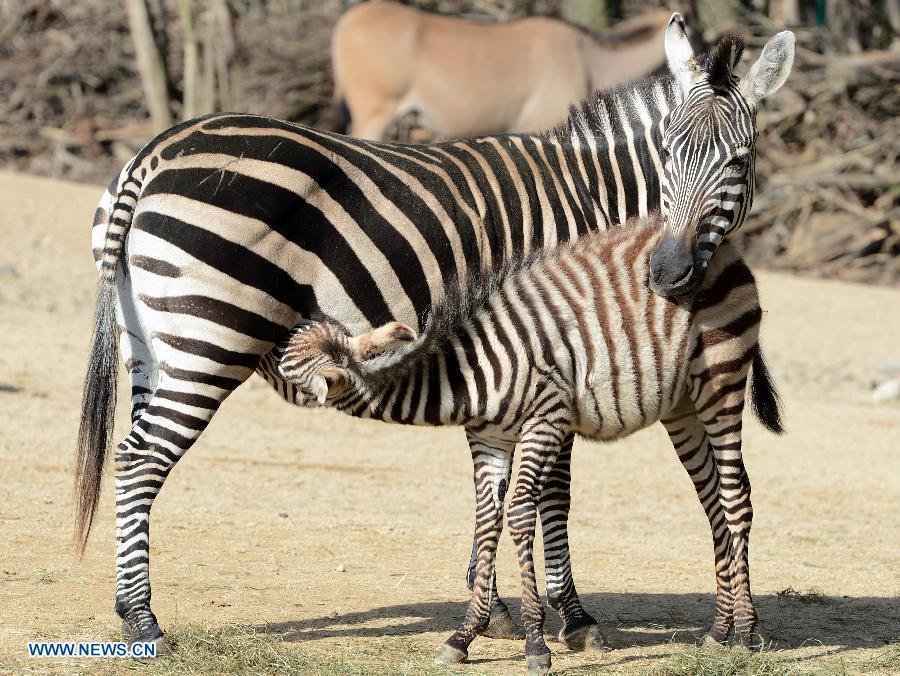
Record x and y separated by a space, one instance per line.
764 397
98 401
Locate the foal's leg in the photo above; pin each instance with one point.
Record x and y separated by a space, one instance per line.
579 630
500 624
540 448
722 420
492 461
690 440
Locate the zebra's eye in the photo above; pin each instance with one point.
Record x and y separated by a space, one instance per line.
738 164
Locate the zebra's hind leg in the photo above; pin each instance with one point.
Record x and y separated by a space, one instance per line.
540 448
692 445
492 461
174 418
500 623
722 423
580 630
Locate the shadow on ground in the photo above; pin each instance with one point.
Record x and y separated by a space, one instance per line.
789 620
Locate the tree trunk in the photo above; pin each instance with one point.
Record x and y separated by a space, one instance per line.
597 15
151 65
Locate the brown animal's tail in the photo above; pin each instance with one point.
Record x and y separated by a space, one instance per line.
340 114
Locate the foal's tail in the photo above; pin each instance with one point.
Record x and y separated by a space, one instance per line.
764 398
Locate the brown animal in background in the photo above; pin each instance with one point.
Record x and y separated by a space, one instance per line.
465 78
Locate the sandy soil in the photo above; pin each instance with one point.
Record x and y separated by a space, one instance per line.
253 523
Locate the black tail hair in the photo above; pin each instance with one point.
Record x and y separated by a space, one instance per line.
98 409
340 115
764 398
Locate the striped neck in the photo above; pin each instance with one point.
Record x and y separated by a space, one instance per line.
618 136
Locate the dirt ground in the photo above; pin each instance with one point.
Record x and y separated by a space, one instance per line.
250 529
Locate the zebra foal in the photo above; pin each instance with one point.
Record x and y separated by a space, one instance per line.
574 341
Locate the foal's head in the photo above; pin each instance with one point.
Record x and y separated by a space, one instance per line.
322 362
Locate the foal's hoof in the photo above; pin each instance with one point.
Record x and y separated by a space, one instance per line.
502 625
450 655
585 638
710 641
538 665
752 640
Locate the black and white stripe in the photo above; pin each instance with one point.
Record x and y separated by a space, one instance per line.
583 347
225 232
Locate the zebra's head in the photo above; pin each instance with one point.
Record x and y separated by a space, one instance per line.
322 362
708 151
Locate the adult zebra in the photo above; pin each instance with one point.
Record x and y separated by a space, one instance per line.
231 228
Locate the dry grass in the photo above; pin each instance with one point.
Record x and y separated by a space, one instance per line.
245 650
770 662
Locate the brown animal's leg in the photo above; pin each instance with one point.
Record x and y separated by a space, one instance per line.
492 461
579 630
690 440
541 445
370 123
722 422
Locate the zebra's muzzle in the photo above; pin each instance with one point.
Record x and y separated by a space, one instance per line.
674 269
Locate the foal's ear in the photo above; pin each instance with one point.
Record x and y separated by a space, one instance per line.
680 55
318 387
770 70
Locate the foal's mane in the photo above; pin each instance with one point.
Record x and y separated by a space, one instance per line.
460 305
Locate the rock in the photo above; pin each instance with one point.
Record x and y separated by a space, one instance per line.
887 391
889 366
340 568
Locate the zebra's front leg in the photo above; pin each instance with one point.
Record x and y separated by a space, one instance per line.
162 433
540 448
492 462
723 427
691 443
580 630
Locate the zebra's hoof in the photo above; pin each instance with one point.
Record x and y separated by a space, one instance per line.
585 638
451 655
161 648
538 665
502 625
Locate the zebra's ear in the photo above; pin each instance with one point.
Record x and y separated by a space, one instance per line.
680 55
770 70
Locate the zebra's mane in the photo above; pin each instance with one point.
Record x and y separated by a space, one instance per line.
595 112
719 62
460 306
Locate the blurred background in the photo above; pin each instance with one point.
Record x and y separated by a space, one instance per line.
83 87
296 541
